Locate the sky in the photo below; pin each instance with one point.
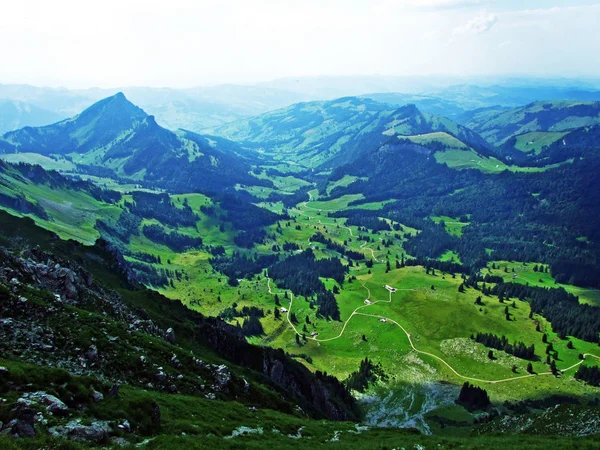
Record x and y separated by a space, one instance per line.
185 43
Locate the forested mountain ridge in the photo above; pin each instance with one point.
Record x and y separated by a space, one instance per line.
332 133
551 116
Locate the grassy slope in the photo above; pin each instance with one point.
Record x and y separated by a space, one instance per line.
537 140
72 213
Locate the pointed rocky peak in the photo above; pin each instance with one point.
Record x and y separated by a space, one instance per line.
410 109
115 107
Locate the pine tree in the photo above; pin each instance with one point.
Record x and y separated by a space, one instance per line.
553 368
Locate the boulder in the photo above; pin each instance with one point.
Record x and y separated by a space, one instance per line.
97 432
97 396
222 377
53 404
170 336
92 354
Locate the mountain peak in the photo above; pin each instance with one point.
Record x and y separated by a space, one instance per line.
410 109
114 108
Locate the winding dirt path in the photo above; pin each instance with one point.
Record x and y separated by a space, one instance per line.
412 345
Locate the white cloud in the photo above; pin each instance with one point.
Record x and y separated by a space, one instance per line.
477 25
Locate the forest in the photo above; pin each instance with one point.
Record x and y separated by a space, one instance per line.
563 310
161 208
241 266
300 273
175 241
538 217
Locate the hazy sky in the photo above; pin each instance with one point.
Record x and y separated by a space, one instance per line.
177 43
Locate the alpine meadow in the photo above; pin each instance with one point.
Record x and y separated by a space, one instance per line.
336 225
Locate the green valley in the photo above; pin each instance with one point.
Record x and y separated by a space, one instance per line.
390 250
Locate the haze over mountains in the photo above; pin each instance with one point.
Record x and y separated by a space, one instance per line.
202 108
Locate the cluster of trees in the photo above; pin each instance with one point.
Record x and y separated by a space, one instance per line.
240 265
589 374
251 325
327 305
146 257
231 312
161 208
342 250
367 373
290 246
247 239
175 241
290 200
434 264
126 226
563 310
473 397
518 349
360 219
300 273
244 215
149 275
432 241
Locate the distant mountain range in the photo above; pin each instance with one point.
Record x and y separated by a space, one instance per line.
192 109
331 133
206 108
15 114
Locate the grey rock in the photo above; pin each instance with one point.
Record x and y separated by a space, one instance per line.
160 377
98 431
92 354
23 429
53 404
125 426
98 396
170 336
222 377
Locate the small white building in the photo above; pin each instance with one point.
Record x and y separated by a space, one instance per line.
383 319
314 333
391 289
368 302
283 310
